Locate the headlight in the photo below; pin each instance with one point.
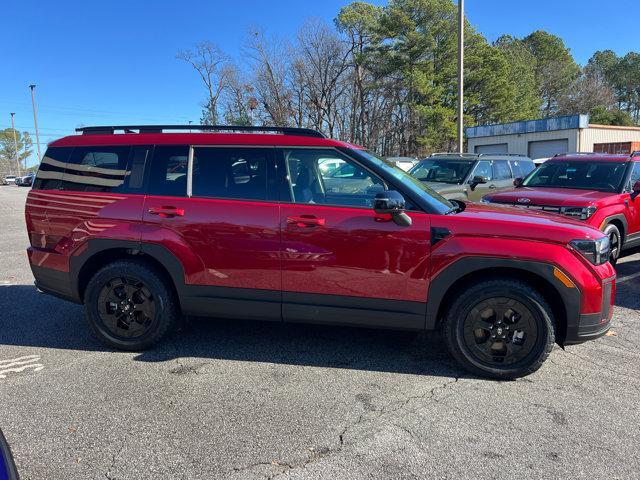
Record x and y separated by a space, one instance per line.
596 251
581 212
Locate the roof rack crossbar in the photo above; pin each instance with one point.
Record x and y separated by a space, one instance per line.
110 129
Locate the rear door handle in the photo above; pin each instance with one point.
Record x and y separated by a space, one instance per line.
305 221
166 211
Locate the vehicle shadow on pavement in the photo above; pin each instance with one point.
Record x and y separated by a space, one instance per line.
628 287
32 319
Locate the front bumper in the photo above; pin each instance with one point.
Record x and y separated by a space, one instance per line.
594 325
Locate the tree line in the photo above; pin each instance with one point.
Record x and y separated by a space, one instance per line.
385 77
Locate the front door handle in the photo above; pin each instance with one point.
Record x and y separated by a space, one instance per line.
492 187
305 221
166 211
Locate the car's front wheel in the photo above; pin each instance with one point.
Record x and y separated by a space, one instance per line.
615 242
501 329
129 305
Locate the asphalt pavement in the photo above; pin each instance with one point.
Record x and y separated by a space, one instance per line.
246 400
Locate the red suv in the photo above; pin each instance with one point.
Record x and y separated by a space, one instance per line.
146 225
600 189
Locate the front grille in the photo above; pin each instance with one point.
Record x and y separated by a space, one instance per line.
544 208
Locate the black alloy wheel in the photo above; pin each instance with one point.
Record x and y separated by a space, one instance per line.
126 307
130 305
615 242
501 329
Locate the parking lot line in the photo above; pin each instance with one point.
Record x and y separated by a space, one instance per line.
628 278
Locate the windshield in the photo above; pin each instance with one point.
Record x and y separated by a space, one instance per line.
601 176
443 171
434 199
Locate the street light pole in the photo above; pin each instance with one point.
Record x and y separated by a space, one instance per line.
15 143
35 119
461 76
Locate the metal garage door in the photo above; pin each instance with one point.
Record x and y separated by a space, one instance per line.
548 148
495 148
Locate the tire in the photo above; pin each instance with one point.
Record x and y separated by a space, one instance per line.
129 305
615 238
514 348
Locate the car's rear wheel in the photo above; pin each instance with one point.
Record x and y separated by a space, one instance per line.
615 242
129 305
501 329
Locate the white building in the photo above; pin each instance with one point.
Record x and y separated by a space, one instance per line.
547 137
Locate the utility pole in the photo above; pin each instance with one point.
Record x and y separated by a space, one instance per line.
35 119
461 76
15 143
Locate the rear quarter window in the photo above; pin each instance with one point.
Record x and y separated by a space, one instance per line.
52 168
96 169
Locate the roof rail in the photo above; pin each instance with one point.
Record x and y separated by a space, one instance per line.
110 129
566 154
455 154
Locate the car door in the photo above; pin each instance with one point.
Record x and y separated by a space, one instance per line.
502 175
482 169
633 207
222 224
341 262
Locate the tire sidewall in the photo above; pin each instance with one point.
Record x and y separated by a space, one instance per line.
543 324
607 231
150 280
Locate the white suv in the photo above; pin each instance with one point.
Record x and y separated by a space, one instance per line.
9 180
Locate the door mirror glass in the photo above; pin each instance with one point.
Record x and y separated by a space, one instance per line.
392 203
518 182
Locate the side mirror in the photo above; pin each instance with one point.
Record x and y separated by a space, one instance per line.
392 203
477 180
635 190
518 182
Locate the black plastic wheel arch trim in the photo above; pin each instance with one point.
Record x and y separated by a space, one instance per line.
571 297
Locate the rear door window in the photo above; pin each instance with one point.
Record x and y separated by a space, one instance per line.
501 170
230 172
521 168
169 170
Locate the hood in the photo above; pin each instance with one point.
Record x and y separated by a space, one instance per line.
558 197
513 222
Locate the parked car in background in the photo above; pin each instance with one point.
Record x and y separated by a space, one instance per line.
405 163
599 189
470 176
329 165
9 180
250 228
26 181
539 161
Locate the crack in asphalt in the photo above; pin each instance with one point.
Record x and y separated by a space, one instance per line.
369 416
114 459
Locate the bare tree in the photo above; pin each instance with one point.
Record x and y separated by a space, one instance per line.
209 61
269 61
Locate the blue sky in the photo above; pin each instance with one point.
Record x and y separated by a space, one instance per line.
114 62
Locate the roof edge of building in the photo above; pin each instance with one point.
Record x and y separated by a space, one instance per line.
614 127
